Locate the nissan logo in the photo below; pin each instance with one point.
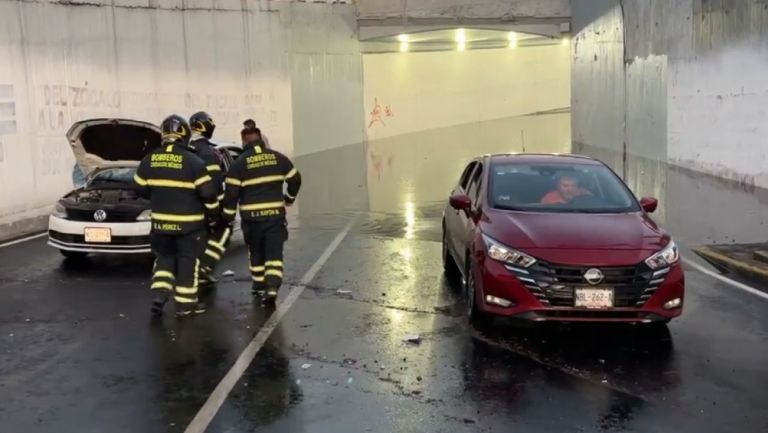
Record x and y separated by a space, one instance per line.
100 215
594 276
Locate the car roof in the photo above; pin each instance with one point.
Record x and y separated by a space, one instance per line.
542 158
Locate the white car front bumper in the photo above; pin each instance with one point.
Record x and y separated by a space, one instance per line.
127 238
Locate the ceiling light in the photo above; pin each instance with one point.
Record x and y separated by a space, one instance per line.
462 46
402 38
512 40
403 47
461 36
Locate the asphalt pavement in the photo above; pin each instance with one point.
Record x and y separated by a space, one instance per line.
80 352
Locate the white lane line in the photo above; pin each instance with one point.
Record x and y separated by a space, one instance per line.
28 238
726 280
206 413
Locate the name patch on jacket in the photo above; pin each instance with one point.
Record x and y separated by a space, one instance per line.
261 160
166 160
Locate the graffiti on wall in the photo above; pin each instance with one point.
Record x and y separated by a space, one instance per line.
378 113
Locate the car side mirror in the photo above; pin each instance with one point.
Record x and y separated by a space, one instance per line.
649 204
460 202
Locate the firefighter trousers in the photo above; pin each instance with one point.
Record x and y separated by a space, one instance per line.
218 239
265 240
177 264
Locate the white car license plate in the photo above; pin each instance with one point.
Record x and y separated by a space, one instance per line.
98 235
594 298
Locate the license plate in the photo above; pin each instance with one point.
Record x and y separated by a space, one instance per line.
98 235
594 298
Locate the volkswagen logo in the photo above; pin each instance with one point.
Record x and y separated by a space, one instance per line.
594 276
100 215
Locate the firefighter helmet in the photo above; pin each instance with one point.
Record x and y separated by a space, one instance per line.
202 123
175 130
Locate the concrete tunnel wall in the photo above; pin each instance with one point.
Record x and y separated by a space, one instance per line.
682 83
63 63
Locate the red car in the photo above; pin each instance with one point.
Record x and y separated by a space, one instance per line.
558 237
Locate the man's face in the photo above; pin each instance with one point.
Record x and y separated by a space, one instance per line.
568 188
251 137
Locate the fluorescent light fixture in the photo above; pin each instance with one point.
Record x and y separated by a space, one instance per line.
512 40
461 36
402 38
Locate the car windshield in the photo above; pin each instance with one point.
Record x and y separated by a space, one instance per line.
581 188
114 175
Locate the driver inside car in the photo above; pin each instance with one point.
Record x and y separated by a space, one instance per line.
567 189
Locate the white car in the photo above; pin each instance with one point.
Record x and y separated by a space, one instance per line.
107 215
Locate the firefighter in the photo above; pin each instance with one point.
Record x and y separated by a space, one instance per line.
255 183
218 238
183 200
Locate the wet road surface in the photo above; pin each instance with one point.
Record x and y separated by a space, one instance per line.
81 354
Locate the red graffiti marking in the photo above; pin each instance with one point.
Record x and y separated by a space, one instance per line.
378 114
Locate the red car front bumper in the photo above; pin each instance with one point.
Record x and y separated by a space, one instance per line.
497 280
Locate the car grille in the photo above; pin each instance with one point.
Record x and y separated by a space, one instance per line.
554 284
113 216
116 240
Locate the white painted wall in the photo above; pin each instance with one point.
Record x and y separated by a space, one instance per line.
718 112
429 113
440 89
687 77
63 63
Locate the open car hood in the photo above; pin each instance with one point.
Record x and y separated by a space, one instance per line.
101 143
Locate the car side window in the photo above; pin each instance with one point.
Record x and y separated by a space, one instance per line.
467 175
474 187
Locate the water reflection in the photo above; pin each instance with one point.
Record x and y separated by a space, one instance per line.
618 368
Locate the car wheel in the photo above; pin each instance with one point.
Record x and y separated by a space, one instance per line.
449 265
73 255
475 316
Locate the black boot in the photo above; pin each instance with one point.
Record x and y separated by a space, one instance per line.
158 303
258 289
271 296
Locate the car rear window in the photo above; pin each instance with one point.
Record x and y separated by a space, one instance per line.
584 188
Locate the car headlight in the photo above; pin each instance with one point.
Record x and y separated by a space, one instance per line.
59 210
666 257
145 216
505 254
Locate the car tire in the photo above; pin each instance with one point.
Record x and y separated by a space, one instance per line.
449 264
73 255
475 316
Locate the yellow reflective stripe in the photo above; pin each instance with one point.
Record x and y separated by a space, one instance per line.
161 285
291 173
263 179
230 211
220 197
233 181
274 272
259 279
220 243
262 206
140 180
186 290
183 300
177 218
164 274
202 180
257 268
197 273
213 205
213 254
213 167
168 183
274 263
292 197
